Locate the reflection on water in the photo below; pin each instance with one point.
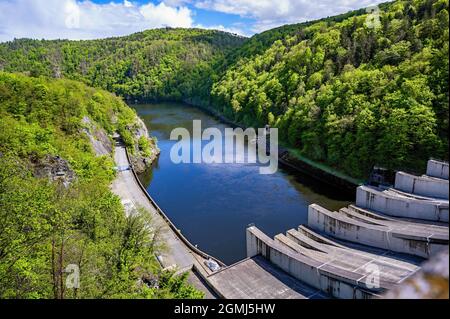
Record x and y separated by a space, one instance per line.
213 203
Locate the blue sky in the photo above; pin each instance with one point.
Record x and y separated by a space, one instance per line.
91 19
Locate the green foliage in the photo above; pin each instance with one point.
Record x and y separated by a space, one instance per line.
333 87
348 95
144 146
46 225
341 93
155 64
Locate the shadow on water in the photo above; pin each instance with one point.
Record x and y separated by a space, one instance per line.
147 176
213 203
305 183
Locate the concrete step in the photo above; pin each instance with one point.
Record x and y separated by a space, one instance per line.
386 220
392 267
398 205
422 185
408 238
402 194
405 229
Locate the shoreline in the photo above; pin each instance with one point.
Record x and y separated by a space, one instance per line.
287 158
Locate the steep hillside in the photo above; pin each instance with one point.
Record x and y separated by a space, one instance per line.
259 43
351 92
56 207
155 64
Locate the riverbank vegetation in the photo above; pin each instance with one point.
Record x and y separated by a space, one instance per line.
56 206
350 91
369 89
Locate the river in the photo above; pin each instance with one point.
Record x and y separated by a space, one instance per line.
212 204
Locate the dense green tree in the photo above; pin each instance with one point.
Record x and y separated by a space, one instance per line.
47 224
315 81
348 94
156 64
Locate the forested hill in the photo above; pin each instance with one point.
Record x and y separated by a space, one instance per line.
56 206
349 93
168 63
264 40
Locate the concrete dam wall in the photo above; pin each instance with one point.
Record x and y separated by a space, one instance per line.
364 249
422 185
399 237
437 169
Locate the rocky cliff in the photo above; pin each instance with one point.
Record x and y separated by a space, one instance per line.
145 148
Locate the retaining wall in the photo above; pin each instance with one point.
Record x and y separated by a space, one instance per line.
400 206
421 185
342 227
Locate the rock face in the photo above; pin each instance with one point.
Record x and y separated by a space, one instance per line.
99 139
54 168
139 160
103 145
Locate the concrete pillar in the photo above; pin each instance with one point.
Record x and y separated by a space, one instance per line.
252 243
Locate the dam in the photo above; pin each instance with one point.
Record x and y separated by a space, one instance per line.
358 252
338 250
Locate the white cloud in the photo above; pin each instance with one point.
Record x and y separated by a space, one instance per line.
269 14
71 19
84 19
221 27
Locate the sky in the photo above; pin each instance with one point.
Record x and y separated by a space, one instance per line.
94 19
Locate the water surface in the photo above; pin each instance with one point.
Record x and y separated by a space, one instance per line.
212 204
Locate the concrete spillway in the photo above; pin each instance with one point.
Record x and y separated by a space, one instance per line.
334 281
368 248
400 205
422 185
374 230
355 259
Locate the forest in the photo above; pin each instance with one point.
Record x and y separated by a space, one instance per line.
48 223
349 92
159 64
343 92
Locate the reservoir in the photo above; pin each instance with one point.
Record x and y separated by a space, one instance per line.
212 204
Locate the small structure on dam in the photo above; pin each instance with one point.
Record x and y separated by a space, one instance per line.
361 251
